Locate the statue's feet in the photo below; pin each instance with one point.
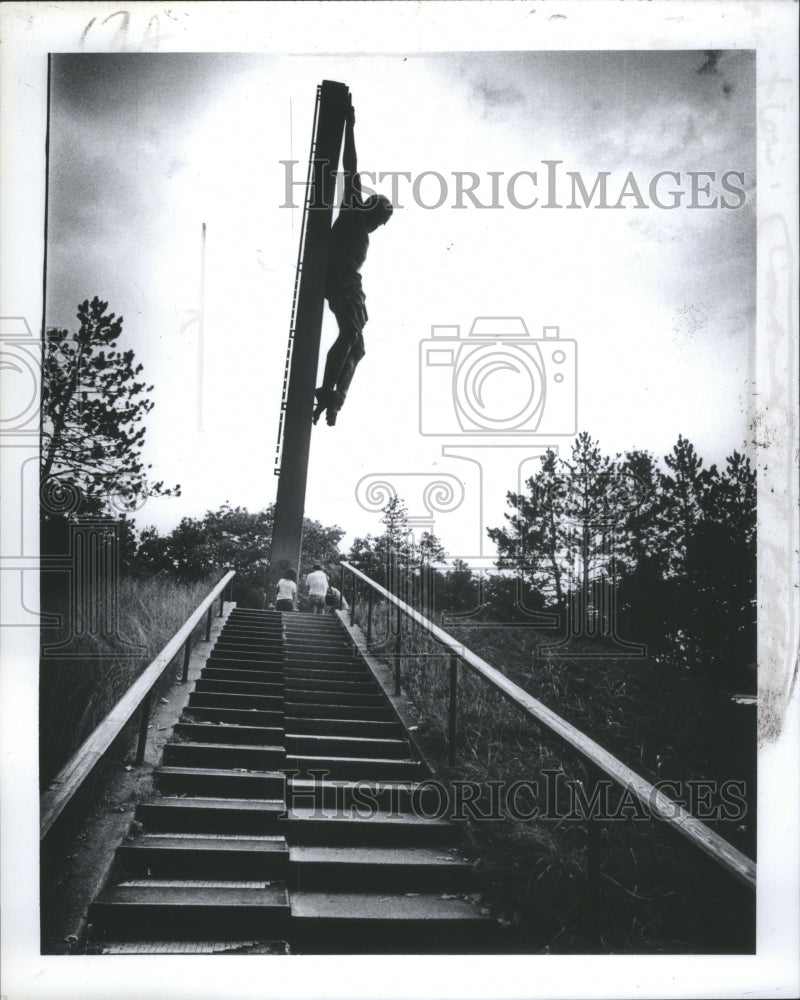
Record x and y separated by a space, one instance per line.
325 398
333 408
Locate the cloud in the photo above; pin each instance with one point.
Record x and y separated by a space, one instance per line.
502 96
710 65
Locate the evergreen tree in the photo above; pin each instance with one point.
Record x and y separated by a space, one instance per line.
677 541
533 543
398 561
686 490
94 405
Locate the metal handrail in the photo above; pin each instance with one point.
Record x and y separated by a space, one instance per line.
72 775
652 798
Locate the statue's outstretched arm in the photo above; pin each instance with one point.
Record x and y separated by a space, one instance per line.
352 182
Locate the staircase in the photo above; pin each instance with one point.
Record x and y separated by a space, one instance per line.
291 815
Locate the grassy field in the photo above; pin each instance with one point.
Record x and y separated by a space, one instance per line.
653 892
78 691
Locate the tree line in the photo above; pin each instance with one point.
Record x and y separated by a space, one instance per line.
664 547
674 542
661 553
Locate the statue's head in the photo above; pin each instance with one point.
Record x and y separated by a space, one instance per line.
377 212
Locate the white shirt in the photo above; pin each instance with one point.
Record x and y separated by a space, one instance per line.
317 583
286 590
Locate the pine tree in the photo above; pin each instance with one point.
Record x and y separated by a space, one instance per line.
94 405
686 491
533 543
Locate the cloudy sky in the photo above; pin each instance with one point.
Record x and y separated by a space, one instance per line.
145 149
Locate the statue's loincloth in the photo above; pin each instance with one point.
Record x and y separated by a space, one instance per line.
346 299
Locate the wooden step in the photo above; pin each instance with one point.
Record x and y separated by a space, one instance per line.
325 673
225 782
320 709
365 798
196 856
313 646
256 615
378 869
321 655
216 732
251 657
251 629
233 716
314 744
250 640
216 699
323 828
318 637
387 923
367 686
253 757
268 648
143 908
293 693
354 768
248 633
204 814
305 621
254 686
344 727
272 675
172 947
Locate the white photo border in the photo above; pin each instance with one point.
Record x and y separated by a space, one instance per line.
28 32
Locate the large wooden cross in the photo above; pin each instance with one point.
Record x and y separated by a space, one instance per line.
333 103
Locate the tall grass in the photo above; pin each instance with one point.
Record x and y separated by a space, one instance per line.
77 692
656 893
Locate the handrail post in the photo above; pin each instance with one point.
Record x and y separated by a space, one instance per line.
208 623
355 598
370 601
221 603
397 651
187 655
341 591
593 844
452 710
144 721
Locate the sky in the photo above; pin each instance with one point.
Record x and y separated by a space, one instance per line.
655 306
